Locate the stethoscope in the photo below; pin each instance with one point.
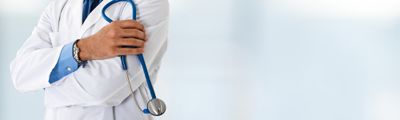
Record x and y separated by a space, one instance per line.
155 106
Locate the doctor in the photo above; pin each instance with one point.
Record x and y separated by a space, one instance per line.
72 54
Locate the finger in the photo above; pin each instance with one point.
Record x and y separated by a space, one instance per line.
129 42
133 33
129 51
130 24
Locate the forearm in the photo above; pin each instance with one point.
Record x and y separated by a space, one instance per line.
102 82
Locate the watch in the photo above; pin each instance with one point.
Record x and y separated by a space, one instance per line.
76 53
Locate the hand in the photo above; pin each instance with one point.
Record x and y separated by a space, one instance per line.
126 37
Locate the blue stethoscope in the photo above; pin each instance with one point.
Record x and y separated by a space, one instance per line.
155 106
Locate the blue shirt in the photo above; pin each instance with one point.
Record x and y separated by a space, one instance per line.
66 63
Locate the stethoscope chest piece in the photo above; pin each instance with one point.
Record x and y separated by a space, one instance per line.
156 107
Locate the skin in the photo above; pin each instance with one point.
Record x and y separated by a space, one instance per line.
126 37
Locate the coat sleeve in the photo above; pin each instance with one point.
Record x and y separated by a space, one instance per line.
102 82
30 69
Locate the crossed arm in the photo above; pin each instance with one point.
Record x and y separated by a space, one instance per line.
102 79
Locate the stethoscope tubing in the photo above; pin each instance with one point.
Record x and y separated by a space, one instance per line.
123 57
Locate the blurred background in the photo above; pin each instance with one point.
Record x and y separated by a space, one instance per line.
254 60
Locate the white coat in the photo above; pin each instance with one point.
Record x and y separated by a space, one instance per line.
90 92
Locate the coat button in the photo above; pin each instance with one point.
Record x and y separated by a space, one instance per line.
69 68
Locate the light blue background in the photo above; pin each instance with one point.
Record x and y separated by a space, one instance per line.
254 60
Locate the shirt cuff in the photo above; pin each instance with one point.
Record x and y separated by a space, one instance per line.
66 64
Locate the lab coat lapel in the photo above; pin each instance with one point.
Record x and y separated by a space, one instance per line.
92 18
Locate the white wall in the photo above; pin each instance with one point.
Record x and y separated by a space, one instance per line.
255 60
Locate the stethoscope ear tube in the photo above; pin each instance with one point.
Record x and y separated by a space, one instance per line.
155 106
